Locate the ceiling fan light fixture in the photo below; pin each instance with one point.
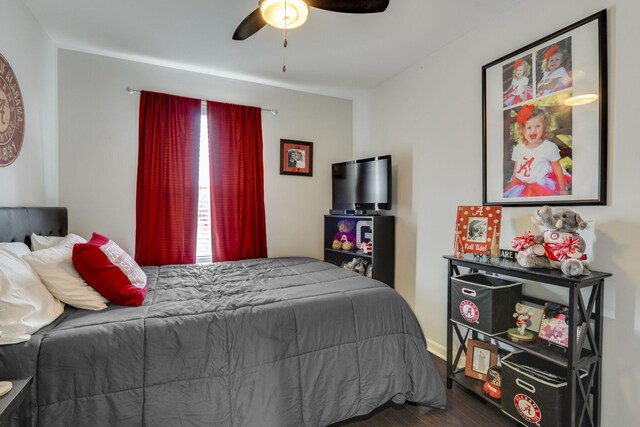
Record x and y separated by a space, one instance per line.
284 13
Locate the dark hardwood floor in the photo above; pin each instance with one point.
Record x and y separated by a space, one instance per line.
463 409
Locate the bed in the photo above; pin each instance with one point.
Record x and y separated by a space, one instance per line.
265 342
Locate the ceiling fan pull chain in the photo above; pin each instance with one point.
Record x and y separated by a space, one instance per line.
284 55
285 43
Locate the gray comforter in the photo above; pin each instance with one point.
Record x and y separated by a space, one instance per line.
267 342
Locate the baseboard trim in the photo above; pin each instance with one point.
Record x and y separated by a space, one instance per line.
440 351
437 349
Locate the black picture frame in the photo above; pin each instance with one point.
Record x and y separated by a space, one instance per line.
511 104
296 157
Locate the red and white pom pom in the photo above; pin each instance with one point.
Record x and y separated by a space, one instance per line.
520 243
568 247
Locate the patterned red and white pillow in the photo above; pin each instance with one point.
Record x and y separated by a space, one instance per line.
110 271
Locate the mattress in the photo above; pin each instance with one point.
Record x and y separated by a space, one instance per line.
266 342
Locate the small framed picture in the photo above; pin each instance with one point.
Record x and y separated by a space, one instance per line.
480 357
477 230
554 326
296 157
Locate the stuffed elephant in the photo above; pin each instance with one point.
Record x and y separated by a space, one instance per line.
557 245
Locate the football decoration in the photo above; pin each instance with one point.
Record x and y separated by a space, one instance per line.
493 385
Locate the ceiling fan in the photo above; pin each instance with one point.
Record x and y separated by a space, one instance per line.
289 14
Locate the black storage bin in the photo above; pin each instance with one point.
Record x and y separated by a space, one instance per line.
532 397
485 303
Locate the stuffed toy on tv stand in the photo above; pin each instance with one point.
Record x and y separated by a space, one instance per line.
557 245
358 265
344 239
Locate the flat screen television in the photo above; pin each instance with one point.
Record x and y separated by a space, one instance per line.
361 185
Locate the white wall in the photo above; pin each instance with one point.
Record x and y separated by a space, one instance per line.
375 139
431 116
99 138
32 179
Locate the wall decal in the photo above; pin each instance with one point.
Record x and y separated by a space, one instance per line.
11 114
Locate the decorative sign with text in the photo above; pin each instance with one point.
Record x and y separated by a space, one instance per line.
477 230
11 115
508 254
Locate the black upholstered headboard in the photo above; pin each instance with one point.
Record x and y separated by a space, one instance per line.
17 224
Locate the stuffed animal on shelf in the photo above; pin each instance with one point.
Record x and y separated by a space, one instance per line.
369 272
557 245
358 265
366 247
345 239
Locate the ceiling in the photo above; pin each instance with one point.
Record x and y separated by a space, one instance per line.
332 54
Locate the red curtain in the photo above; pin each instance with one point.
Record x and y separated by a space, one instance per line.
167 189
238 228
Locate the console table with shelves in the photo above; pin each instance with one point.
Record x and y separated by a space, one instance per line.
381 231
583 355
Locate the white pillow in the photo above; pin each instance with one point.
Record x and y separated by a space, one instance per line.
56 270
16 248
25 304
44 242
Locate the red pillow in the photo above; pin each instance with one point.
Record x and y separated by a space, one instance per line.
110 271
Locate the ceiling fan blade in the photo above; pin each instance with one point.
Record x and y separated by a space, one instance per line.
351 6
250 25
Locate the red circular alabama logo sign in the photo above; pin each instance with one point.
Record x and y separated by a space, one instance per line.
527 408
11 115
469 311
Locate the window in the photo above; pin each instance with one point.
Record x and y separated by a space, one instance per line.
203 248
239 212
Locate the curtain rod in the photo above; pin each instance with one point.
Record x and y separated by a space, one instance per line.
131 90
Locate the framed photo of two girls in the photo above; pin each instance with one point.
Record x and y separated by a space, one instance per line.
544 110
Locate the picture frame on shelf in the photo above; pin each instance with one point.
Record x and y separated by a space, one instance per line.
559 83
554 326
477 230
296 157
480 357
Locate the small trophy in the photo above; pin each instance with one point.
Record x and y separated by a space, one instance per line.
523 319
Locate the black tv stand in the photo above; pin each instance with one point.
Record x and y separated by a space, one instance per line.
378 229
